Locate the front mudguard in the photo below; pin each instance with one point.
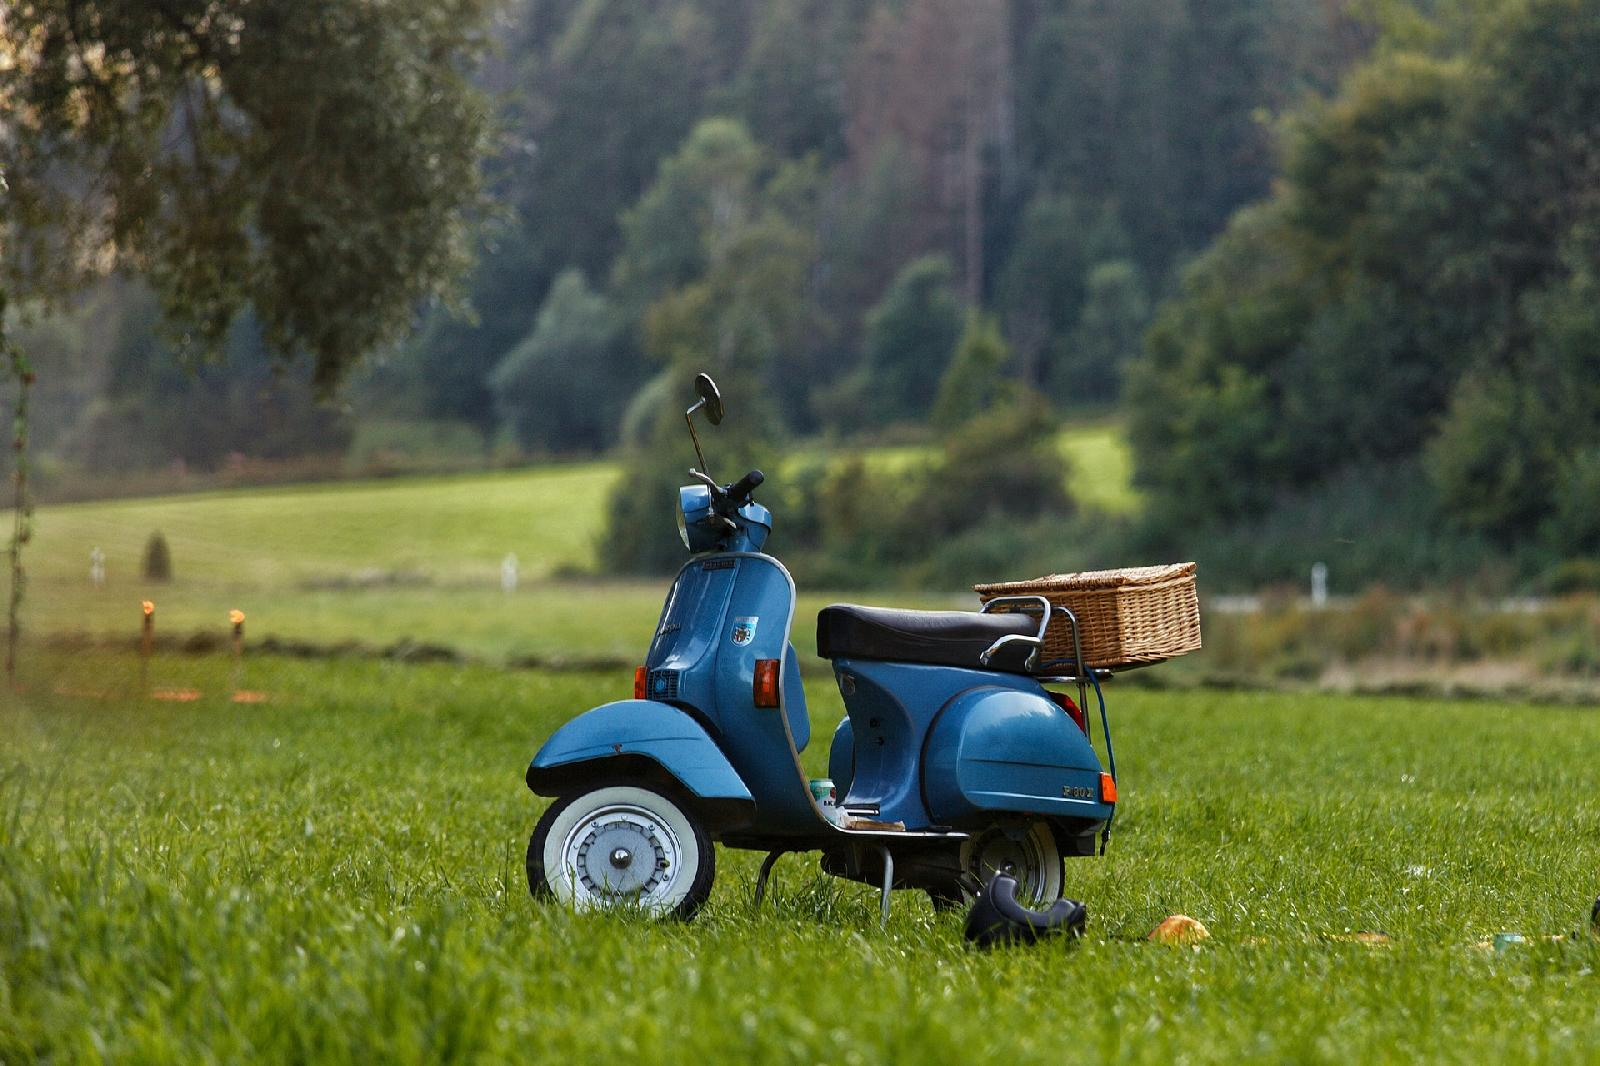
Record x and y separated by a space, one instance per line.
648 743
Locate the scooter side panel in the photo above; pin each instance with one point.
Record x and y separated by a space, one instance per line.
889 708
664 734
887 718
996 748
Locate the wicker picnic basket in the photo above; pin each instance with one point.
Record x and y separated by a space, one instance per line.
1130 617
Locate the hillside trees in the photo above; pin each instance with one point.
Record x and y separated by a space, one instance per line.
910 336
931 80
564 387
1423 283
717 262
1033 144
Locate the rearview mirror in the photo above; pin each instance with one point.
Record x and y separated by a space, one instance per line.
706 389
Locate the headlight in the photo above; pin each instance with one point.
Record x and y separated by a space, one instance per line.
694 507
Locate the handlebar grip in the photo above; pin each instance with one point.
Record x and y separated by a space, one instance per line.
740 490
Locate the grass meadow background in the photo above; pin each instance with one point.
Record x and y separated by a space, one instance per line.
416 559
337 874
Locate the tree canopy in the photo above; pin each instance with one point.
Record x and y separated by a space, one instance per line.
315 164
1421 284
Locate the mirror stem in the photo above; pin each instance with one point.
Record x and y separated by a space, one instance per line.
688 416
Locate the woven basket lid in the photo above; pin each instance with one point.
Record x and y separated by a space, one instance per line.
1093 579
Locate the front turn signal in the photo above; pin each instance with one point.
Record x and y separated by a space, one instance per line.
1108 788
640 678
764 689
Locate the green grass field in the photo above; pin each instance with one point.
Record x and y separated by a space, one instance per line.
337 875
414 559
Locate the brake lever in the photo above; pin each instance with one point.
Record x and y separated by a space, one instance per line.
706 480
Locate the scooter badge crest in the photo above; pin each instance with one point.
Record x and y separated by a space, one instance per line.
744 631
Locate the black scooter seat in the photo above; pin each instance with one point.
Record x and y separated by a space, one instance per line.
939 638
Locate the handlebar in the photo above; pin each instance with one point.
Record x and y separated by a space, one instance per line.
740 490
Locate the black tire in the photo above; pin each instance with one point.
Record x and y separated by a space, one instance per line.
677 885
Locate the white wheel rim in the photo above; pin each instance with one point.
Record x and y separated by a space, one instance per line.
1026 852
622 847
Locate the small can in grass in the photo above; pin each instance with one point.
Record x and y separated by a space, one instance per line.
827 798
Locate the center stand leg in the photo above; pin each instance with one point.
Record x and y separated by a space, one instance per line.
766 871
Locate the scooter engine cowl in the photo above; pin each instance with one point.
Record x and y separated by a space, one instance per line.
1003 749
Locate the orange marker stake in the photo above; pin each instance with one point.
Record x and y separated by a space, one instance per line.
146 645
236 616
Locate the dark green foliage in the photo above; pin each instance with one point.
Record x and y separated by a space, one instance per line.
1368 523
1043 290
161 410
784 90
380 446
564 387
1154 107
1010 138
316 167
910 337
1109 333
998 478
1421 282
1574 526
156 563
972 382
1002 462
611 89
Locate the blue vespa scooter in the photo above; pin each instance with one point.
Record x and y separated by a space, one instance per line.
953 761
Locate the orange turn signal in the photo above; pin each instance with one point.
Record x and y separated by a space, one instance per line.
765 687
1108 788
640 677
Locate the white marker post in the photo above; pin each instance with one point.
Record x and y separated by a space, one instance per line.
1319 585
508 573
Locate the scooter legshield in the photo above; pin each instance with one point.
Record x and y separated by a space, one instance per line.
638 739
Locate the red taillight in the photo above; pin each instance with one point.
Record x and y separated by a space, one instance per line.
1064 701
1108 788
641 677
765 687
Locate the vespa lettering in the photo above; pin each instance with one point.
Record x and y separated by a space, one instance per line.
1077 792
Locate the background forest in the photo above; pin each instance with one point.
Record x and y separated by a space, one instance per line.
1331 265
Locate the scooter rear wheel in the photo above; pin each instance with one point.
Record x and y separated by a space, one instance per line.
622 846
1026 850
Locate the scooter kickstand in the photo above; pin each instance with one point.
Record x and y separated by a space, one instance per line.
766 871
888 883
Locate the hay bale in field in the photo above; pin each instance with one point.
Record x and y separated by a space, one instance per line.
157 563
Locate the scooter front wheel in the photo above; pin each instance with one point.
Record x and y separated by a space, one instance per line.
622 846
